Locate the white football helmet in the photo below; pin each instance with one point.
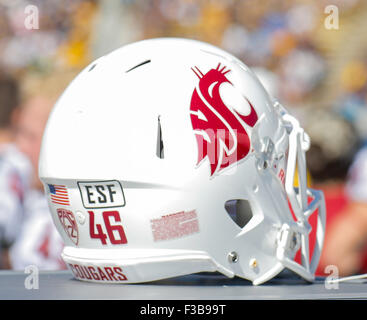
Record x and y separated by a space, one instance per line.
167 157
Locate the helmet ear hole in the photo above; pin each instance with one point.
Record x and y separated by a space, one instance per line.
239 210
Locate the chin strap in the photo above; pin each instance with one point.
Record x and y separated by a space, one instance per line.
349 278
296 236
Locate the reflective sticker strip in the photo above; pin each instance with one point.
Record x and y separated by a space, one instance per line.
175 225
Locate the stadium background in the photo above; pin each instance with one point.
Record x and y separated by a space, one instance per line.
319 74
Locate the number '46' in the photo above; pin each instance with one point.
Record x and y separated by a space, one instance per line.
115 232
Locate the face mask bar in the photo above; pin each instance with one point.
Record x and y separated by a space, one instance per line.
295 236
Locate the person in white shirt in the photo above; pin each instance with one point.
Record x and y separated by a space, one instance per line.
15 169
38 242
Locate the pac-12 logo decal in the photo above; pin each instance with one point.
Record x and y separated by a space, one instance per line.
69 224
219 130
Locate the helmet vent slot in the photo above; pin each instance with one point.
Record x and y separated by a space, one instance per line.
160 146
239 210
138 65
92 67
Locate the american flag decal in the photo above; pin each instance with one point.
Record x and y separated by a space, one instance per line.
59 194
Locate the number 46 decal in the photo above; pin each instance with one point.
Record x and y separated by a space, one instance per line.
115 232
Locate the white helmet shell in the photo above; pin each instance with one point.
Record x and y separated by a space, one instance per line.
167 157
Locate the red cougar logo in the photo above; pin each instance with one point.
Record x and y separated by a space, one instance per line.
218 129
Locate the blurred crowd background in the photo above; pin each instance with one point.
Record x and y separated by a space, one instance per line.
318 73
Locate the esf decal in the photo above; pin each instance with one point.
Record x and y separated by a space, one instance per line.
101 194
